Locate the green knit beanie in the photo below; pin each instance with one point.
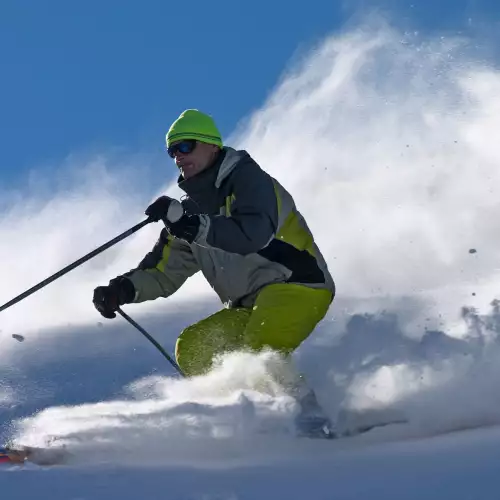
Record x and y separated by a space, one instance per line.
193 124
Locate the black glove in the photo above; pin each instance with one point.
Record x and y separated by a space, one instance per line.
186 228
179 224
165 208
107 298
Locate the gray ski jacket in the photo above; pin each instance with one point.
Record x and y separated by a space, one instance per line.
251 235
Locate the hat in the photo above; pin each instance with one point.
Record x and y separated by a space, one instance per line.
193 124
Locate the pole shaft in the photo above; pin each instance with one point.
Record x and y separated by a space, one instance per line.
75 264
151 339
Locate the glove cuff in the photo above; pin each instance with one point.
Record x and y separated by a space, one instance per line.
124 288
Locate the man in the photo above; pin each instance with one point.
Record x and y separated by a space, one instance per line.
241 229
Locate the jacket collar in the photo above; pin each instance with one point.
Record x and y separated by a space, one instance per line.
213 176
198 186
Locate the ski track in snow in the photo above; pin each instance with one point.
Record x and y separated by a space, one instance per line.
459 466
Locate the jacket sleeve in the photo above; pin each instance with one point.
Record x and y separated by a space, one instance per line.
164 269
253 219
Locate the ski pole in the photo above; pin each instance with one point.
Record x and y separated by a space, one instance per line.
151 339
75 264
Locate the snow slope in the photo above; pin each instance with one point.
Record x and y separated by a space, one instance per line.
397 176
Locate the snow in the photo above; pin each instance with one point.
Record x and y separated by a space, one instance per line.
226 435
459 466
401 192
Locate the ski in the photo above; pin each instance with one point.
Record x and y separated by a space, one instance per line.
363 429
38 456
12 456
50 456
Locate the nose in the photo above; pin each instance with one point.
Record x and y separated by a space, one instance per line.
178 156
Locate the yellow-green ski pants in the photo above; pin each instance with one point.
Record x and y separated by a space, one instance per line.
283 316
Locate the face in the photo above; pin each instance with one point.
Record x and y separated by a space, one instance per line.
191 164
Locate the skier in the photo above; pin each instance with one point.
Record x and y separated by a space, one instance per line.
242 230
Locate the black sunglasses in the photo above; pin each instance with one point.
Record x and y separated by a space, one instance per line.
184 147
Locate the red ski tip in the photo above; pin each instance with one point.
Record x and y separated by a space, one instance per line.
12 456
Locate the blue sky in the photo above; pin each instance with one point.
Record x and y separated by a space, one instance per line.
94 76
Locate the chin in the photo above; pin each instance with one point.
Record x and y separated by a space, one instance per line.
188 173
